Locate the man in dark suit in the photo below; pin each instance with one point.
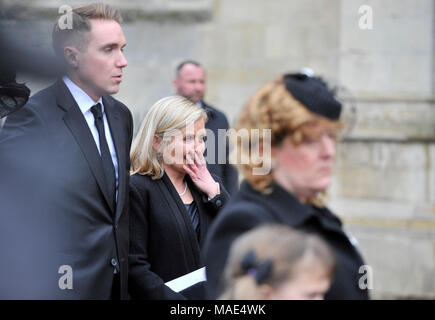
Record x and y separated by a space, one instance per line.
65 164
190 82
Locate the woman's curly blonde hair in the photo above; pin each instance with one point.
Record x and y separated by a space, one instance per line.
273 107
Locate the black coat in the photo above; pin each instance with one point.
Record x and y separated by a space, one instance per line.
163 243
225 171
56 200
250 208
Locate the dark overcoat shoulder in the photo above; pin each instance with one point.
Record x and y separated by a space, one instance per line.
250 208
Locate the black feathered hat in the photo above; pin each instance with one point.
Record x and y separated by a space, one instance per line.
313 93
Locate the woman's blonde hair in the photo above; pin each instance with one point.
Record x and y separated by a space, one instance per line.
273 108
278 248
164 119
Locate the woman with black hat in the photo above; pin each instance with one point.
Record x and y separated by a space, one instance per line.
302 117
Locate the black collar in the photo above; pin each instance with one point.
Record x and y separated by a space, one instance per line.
285 207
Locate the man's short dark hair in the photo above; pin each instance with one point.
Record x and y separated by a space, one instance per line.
81 18
182 64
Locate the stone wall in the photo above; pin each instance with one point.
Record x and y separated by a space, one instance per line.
384 183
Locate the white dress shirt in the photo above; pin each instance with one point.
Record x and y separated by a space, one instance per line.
85 104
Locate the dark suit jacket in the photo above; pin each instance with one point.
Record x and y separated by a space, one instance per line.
58 199
225 171
249 209
163 243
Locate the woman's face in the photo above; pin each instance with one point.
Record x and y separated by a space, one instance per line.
305 169
184 144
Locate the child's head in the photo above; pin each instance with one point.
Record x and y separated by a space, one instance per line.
278 263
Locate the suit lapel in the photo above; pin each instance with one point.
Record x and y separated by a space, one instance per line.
116 129
76 123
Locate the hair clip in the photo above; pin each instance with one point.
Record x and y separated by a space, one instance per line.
259 270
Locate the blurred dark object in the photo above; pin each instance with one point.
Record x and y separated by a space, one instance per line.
23 49
19 55
12 94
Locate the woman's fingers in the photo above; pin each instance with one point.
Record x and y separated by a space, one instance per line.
191 166
195 165
190 172
199 158
190 158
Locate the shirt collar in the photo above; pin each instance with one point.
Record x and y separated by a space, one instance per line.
84 101
210 112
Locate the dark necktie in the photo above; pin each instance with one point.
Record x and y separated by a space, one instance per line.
106 158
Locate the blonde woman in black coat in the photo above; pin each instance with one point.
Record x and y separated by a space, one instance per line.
301 117
173 199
